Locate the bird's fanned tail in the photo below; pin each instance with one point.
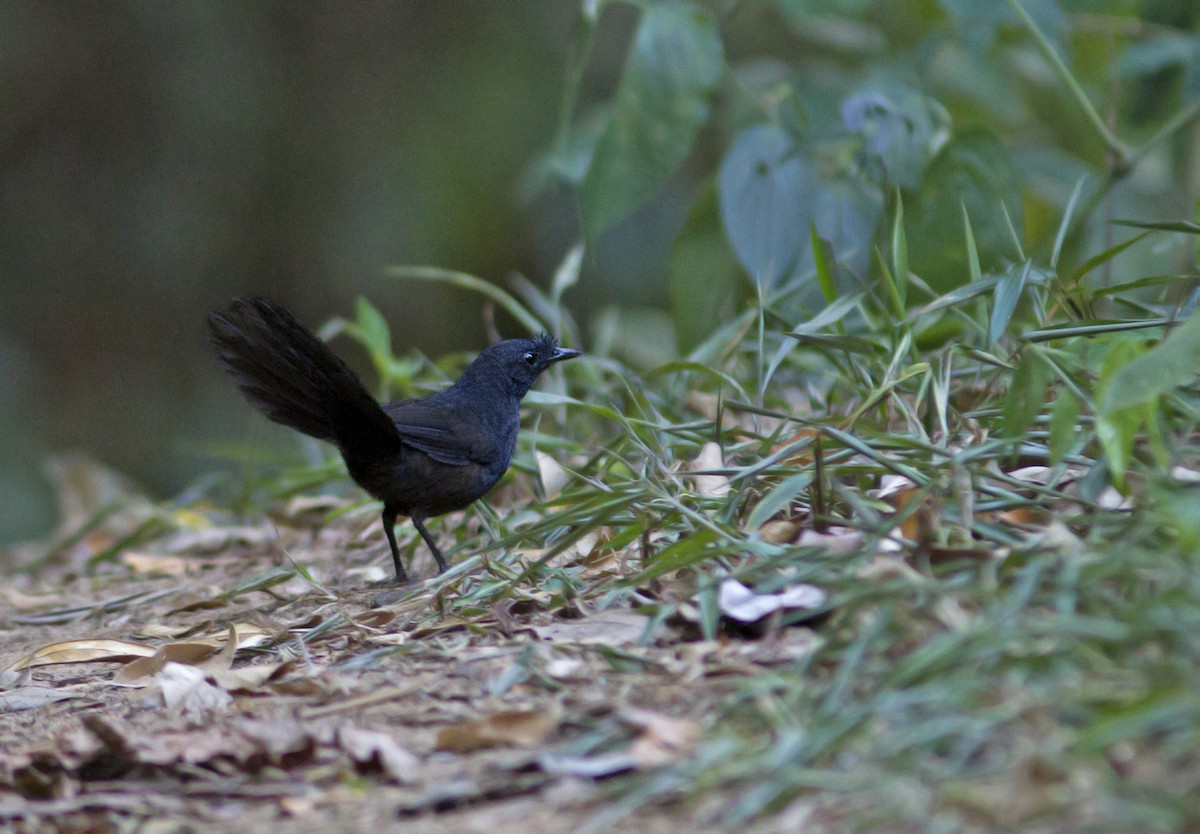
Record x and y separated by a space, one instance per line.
293 378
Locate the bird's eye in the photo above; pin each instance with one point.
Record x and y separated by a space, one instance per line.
530 358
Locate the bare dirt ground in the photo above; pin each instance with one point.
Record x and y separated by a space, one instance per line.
303 707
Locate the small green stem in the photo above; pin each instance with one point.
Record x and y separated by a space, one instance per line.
1119 149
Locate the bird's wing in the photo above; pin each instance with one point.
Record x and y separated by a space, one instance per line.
447 436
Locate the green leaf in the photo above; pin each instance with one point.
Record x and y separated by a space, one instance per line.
1185 226
1064 430
822 258
972 251
766 191
778 498
1026 394
897 127
703 273
1171 364
662 101
1117 426
1101 258
374 331
469 282
1008 293
1092 327
900 251
972 172
832 314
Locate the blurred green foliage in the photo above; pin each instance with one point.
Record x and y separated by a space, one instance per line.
161 158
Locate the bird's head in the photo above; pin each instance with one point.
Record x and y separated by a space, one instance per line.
522 360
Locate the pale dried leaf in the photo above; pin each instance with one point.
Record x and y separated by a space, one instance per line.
185 690
374 751
315 504
1185 475
779 532
1110 499
589 767
155 564
141 672
564 667
162 630
709 485
367 574
551 474
664 738
27 602
31 697
248 636
738 602
513 728
835 540
248 678
82 651
210 539
613 627
1032 474
890 484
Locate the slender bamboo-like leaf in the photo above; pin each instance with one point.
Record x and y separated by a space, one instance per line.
469 282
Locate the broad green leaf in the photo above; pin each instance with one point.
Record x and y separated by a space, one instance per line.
766 198
848 210
1171 364
663 99
1026 394
897 127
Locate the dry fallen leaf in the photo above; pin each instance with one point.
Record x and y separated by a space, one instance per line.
551 474
31 697
378 752
779 532
664 738
155 564
513 728
835 540
27 602
709 485
141 672
738 602
82 651
185 690
613 627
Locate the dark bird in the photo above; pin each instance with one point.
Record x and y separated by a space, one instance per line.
421 457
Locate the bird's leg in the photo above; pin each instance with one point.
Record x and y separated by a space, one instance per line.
437 554
389 524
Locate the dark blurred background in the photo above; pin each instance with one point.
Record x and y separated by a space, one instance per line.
157 159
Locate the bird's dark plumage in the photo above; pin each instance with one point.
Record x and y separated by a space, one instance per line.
421 457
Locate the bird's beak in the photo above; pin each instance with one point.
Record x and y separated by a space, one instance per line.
561 353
